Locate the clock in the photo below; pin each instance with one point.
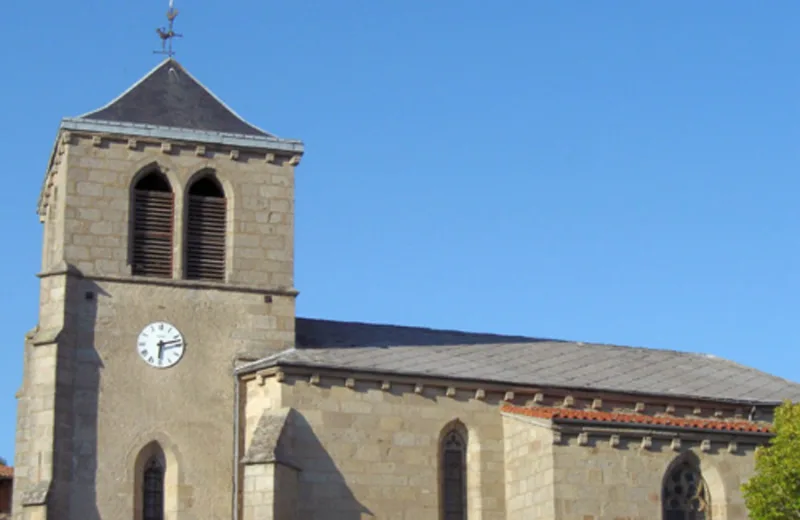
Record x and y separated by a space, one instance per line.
160 344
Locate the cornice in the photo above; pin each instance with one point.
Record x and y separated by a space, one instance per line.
183 135
236 147
498 393
626 437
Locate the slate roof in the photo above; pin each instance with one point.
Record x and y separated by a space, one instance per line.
526 361
634 419
169 96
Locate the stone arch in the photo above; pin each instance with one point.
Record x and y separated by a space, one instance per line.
716 488
208 226
692 489
152 180
153 457
455 424
163 165
209 172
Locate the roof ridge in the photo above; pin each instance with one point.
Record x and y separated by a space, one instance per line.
427 328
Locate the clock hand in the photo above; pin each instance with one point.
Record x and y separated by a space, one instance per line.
160 349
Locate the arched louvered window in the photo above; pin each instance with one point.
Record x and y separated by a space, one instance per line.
153 209
685 494
453 461
205 231
153 490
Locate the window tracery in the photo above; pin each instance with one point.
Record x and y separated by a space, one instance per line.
453 461
685 494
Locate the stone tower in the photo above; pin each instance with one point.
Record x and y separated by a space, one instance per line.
162 210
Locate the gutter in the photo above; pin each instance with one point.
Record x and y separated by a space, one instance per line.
599 426
182 134
236 431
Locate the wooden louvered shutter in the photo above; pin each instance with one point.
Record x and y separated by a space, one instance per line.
205 254
152 233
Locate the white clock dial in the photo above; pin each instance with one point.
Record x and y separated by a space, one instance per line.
160 344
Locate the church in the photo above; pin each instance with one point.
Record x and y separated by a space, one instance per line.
169 378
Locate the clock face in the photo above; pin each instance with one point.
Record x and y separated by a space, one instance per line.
160 345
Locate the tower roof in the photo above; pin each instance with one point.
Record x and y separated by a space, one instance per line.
169 103
168 96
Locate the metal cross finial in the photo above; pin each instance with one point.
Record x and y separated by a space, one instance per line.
168 34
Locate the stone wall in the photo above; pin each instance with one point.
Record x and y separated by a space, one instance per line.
43 375
120 404
372 451
270 492
529 466
369 448
89 405
260 198
53 212
598 481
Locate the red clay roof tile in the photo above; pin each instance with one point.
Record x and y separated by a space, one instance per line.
632 418
6 472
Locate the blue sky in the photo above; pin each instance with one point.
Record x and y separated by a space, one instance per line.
611 171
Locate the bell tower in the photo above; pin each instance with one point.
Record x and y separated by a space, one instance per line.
168 259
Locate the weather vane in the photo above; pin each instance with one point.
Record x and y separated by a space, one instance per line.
168 34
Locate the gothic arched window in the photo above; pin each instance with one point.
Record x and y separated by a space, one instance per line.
205 231
685 494
153 208
153 490
453 460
